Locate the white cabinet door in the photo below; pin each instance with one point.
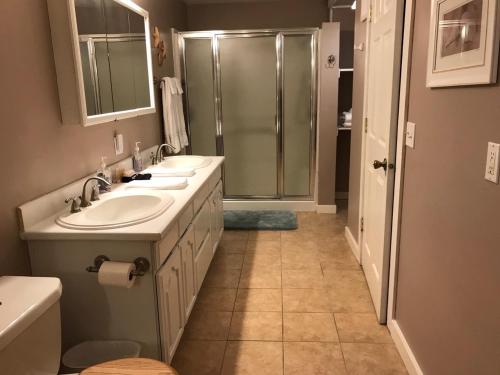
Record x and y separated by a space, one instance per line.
201 226
171 304
220 208
202 261
214 219
216 215
186 245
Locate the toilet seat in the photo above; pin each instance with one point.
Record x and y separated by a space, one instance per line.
131 366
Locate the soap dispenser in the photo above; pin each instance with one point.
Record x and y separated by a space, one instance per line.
105 173
137 159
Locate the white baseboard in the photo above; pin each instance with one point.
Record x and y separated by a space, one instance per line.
353 244
404 349
298 206
325 209
255 205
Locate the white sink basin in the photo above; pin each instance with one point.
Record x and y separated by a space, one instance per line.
118 210
167 183
159 171
186 161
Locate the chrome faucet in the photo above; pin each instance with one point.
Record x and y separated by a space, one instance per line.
159 156
84 201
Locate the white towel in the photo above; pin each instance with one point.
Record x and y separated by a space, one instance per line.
179 85
173 113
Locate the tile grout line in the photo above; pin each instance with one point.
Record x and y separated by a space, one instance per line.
340 343
232 314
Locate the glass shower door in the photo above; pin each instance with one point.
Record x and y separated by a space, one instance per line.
200 95
248 91
298 112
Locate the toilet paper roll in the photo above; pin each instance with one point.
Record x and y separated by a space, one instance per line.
116 274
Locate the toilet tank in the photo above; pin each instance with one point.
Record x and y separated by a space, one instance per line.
30 325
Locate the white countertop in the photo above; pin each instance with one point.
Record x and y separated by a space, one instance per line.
153 230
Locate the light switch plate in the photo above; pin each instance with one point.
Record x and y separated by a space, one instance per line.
492 162
410 134
118 144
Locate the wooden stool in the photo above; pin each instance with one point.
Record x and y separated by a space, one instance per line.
131 366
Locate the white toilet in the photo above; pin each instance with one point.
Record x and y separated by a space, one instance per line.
30 325
30 331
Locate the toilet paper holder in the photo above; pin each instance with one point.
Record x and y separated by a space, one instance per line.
141 265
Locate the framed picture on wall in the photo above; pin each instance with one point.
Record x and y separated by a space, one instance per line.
463 43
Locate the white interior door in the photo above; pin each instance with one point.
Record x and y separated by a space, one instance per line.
382 107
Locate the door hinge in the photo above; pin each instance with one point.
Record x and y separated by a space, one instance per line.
362 224
366 124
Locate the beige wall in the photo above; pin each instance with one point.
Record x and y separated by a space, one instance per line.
449 260
38 153
327 114
264 14
448 288
357 128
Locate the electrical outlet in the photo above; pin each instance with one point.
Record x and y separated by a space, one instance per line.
410 134
492 162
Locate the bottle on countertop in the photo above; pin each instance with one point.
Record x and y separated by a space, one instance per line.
105 173
137 159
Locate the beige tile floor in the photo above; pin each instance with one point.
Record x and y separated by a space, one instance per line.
286 303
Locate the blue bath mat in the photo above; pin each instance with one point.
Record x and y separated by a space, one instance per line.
260 220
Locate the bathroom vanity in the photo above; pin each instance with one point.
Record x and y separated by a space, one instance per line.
179 244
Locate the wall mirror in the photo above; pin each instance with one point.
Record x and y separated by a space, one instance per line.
112 70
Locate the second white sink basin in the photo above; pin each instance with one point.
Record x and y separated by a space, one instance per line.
186 161
167 183
118 210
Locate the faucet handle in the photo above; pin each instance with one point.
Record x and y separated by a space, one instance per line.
152 157
172 148
75 205
95 193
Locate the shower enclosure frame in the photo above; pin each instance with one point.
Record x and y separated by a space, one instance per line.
280 35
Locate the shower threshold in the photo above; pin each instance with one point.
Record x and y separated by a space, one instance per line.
254 205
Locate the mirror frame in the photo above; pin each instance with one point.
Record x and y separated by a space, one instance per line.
113 116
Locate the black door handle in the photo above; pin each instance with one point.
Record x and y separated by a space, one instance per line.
382 164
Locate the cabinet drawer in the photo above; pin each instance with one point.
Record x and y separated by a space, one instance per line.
203 261
201 226
166 245
185 219
214 179
200 197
